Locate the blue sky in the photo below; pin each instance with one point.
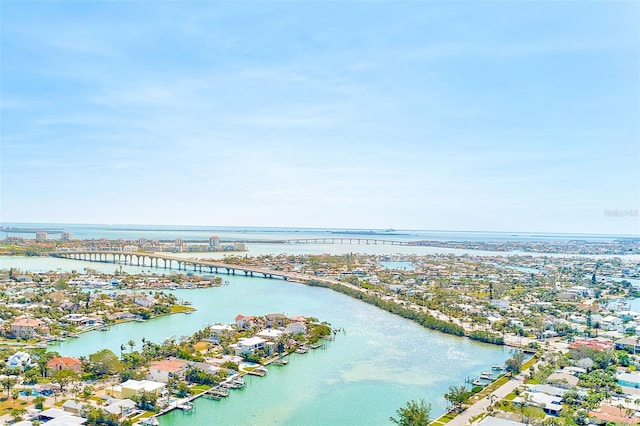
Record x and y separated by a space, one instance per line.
505 116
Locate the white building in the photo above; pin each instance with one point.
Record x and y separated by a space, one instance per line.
20 360
296 328
248 345
161 371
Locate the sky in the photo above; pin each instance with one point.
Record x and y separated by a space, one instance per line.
484 115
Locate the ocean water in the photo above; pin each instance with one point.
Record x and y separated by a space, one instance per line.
238 233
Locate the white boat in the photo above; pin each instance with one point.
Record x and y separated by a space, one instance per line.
149 421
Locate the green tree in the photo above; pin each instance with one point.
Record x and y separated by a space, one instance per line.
17 414
27 393
456 396
64 377
7 383
414 413
514 364
39 401
87 391
105 363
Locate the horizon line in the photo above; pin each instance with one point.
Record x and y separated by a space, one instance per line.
390 229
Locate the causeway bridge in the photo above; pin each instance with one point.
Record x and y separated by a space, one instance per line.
161 260
347 240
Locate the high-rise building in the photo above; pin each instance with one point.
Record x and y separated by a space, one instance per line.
65 236
214 242
41 236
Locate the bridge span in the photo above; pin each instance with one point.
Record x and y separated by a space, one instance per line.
347 240
155 260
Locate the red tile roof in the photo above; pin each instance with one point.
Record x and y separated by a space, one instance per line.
67 361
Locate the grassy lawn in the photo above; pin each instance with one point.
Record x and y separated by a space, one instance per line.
143 415
6 405
180 308
510 397
530 412
493 386
199 388
529 363
444 419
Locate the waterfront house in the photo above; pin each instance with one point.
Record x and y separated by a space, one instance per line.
276 320
244 323
119 407
64 363
28 328
296 328
270 334
217 331
248 345
135 387
161 371
207 368
80 320
145 301
21 360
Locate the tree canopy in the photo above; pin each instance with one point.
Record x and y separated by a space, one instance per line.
414 413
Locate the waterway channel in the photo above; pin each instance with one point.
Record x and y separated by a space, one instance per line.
376 366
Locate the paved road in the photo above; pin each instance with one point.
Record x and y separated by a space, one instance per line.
481 405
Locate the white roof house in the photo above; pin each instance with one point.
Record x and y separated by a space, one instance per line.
19 360
550 404
247 345
270 334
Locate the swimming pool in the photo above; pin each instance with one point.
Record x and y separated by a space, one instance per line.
35 393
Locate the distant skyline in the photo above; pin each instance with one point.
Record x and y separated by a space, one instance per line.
485 116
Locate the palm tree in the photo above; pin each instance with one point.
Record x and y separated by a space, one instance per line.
39 401
7 383
15 394
131 344
27 393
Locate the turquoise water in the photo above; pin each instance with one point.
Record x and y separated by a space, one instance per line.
362 377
